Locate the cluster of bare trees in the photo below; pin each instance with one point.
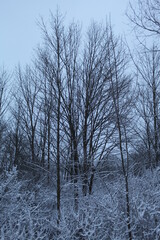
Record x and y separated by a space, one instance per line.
75 106
144 16
72 107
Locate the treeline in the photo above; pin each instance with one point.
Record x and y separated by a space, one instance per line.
80 109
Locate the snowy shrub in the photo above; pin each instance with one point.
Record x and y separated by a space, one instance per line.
28 211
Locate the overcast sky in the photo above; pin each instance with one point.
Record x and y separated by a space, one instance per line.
20 34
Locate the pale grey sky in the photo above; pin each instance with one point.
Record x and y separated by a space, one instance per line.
19 33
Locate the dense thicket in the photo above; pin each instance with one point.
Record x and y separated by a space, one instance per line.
80 138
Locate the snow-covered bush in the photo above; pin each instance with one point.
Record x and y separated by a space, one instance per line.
21 214
28 210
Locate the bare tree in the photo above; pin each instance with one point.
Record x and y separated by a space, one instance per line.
145 15
147 65
46 101
29 88
96 104
120 83
71 42
54 46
